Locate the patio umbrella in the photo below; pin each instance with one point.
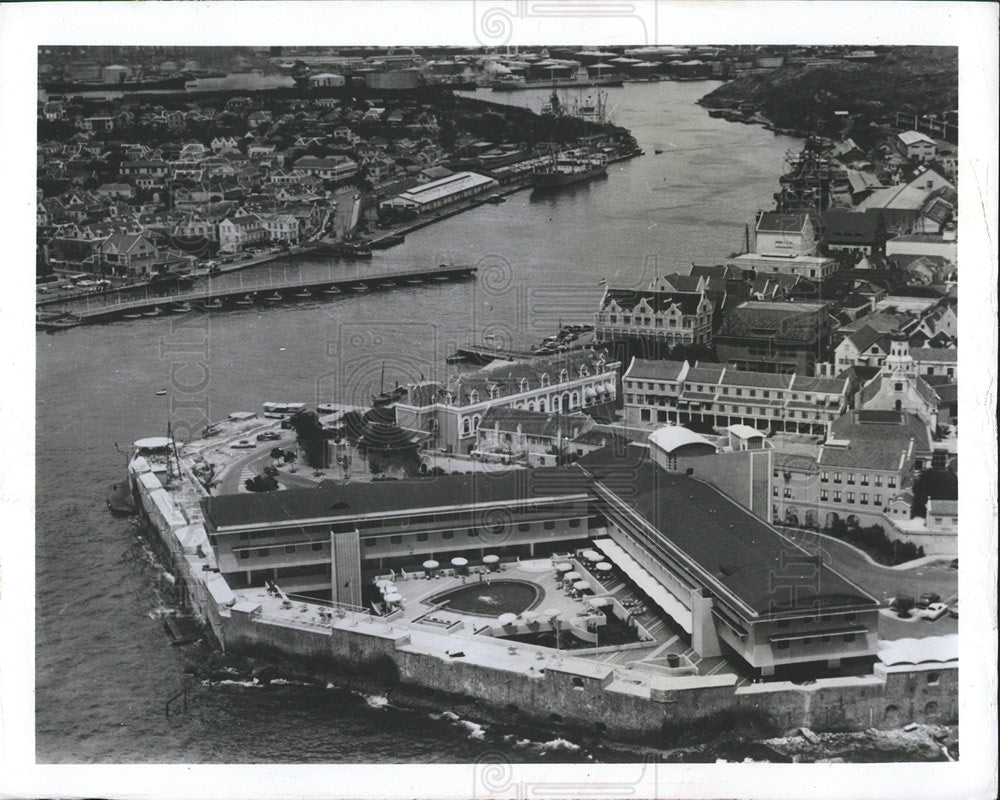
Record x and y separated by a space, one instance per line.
604 566
431 564
393 597
507 619
591 555
597 602
491 559
458 561
581 586
564 567
572 576
529 616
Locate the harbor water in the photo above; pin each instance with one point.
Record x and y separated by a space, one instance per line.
104 666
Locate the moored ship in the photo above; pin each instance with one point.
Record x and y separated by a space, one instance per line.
567 169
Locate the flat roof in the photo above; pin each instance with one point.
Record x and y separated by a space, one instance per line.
351 500
740 553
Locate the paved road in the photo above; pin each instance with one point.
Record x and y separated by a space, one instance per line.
229 482
884 583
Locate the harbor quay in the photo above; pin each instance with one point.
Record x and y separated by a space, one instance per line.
580 596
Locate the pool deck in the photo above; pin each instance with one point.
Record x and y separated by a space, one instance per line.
470 633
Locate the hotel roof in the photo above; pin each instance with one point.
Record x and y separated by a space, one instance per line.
733 551
348 501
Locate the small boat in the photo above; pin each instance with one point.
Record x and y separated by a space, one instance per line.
274 298
132 316
120 500
363 253
303 294
657 151
332 290
414 281
497 199
211 305
442 277
360 287
244 301
161 392
387 284
153 312
180 308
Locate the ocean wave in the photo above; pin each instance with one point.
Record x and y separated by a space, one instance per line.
475 730
376 700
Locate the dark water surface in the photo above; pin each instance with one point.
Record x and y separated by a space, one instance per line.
104 666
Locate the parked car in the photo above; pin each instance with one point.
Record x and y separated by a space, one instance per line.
243 444
268 436
927 598
934 611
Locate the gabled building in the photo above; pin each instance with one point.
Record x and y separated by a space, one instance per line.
132 255
240 230
865 347
915 146
899 387
866 461
533 437
671 318
452 411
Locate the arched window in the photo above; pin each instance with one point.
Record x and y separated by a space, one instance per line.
475 422
556 403
474 397
494 392
574 400
531 405
542 405
524 384
466 427
544 381
584 372
563 376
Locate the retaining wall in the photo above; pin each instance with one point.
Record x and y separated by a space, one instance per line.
594 696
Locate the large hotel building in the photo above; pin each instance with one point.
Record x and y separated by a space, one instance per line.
732 583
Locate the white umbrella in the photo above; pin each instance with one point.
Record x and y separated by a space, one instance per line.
458 561
597 602
572 576
581 585
507 619
491 559
564 567
551 612
529 616
431 564
393 597
382 583
591 555
604 566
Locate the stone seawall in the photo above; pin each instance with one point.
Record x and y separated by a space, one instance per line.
519 682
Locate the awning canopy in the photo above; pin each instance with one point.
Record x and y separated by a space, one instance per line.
677 611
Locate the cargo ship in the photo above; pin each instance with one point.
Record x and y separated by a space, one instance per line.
515 83
567 169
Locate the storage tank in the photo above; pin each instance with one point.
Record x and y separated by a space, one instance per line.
326 79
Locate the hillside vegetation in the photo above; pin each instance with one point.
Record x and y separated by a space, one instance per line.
803 98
